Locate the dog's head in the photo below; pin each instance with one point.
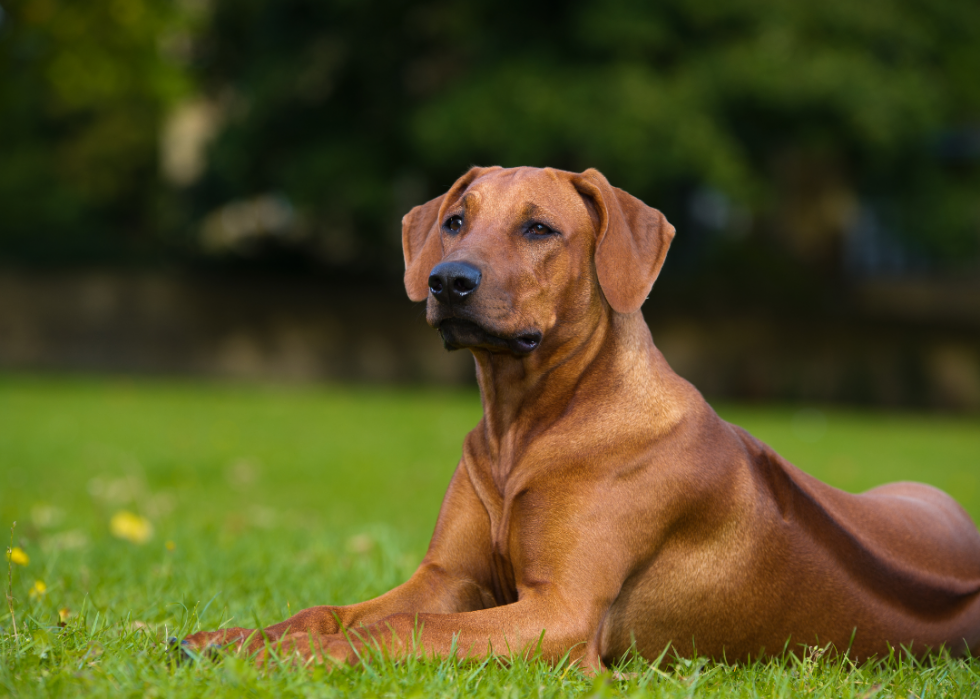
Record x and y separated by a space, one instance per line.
506 258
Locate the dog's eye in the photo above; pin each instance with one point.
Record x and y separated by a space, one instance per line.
539 229
454 224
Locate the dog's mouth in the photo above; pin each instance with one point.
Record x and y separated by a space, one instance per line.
465 334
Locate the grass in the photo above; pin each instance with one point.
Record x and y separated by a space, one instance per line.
264 501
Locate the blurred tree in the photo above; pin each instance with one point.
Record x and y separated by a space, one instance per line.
84 88
841 131
775 118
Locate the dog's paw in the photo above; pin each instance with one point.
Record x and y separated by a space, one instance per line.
182 651
209 644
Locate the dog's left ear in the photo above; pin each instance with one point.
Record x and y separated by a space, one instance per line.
631 241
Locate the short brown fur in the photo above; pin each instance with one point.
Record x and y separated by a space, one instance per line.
601 502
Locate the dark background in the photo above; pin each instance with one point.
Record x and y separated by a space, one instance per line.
215 187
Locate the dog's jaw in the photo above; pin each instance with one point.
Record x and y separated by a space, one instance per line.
460 333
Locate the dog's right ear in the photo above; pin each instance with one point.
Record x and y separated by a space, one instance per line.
421 238
422 246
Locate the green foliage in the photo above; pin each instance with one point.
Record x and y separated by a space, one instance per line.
83 91
797 113
357 110
279 499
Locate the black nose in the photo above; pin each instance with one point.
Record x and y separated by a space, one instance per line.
454 281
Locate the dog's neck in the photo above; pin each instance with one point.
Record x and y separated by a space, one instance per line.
611 356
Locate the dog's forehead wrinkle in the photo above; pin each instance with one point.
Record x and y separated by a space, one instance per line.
530 210
471 200
558 206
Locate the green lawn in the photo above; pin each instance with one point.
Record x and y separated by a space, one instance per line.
266 500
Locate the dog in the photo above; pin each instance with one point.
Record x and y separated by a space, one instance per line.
601 508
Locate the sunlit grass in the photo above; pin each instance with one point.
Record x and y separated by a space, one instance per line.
856 450
149 509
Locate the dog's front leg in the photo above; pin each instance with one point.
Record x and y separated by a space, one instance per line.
539 626
430 589
453 577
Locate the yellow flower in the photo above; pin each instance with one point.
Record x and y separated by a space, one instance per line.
131 527
171 546
63 614
17 555
38 589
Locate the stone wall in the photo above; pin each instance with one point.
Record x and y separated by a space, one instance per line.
226 327
900 346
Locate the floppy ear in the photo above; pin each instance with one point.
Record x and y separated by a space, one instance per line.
631 241
421 239
422 246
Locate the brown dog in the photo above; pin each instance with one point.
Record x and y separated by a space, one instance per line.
600 502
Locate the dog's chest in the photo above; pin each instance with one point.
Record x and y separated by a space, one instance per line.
503 578
501 480
500 511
